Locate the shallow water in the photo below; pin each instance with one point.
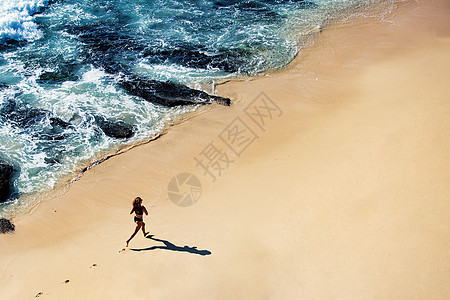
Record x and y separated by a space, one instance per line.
62 62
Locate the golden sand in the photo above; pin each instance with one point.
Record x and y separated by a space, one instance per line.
342 193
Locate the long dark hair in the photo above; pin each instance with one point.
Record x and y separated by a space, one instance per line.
137 202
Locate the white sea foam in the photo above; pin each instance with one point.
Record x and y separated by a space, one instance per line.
179 73
16 20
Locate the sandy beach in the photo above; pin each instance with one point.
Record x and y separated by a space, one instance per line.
326 180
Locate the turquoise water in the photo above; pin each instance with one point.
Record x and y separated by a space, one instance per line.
61 63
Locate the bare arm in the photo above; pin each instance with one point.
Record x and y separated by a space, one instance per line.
132 211
145 210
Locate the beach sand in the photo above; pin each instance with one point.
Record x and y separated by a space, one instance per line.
342 193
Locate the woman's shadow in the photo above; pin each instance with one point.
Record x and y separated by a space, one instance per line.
169 246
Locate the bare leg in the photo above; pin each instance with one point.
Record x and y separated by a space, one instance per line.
143 229
134 233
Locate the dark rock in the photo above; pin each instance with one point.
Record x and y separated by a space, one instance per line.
52 161
26 116
62 69
167 93
6 172
106 45
115 129
6 226
58 122
56 77
21 115
10 44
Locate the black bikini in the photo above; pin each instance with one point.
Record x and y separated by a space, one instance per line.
138 211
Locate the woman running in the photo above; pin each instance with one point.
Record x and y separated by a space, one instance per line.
139 209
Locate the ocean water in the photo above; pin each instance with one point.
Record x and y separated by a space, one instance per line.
63 64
